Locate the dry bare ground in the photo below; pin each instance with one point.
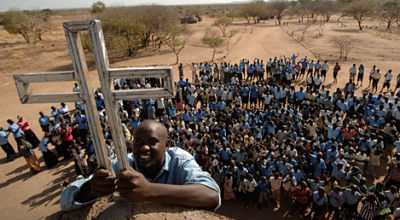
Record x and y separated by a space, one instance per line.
26 196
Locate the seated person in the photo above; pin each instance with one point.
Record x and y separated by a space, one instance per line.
159 175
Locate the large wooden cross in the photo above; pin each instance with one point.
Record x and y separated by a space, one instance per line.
106 75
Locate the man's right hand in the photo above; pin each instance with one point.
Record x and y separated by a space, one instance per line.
102 183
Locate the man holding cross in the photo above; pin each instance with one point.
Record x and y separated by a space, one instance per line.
159 175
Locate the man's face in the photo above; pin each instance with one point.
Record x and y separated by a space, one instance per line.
149 147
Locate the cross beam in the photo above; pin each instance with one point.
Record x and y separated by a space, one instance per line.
106 75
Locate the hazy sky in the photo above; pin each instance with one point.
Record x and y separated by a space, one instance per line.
57 4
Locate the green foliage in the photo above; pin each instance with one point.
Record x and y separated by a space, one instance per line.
390 12
30 24
47 13
360 10
129 29
278 8
16 22
222 24
98 7
212 40
253 10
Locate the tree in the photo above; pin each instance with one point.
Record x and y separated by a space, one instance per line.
390 12
213 40
253 10
278 8
128 30
345 44
360 10
30 24
173 41
228 38
98 7
16 22
222 24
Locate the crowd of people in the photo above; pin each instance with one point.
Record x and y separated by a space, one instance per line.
263 138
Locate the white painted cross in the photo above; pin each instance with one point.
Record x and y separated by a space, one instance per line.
106 75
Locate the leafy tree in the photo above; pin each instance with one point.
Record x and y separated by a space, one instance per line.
16 22
222 24
47 13
30 24
252 10
128 30
390 12
172 38
278 8
98 7
360 10
212 40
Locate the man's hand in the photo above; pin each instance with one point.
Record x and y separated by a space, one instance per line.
133 186
102 183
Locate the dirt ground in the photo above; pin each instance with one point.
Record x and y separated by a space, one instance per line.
27 196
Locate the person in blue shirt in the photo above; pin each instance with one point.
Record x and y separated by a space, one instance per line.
19 135
6 146
83 127
263 189
56 114
158 174
44 122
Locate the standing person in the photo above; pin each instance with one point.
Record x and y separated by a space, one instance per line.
336 69
64 111
6 146
83 127
55 113
371 73
30 156
398 82
180 70
262 189
320 202
324 69
66 135
375 80
18 134
29 134
302 197
276 185
369 208
44 122
351 197
50 159
194 69
228 187
352 72
388 79
360 75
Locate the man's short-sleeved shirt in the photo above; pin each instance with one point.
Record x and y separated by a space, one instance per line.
17 132
3 137
179 168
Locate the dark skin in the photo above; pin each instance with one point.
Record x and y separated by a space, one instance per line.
149 151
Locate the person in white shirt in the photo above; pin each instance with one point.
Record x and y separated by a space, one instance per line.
324 69
388 79
194 69
276 184
375 80
317 83
352 72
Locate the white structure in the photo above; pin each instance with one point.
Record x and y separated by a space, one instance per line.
106 75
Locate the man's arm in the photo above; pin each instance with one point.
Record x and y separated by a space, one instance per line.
133 186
